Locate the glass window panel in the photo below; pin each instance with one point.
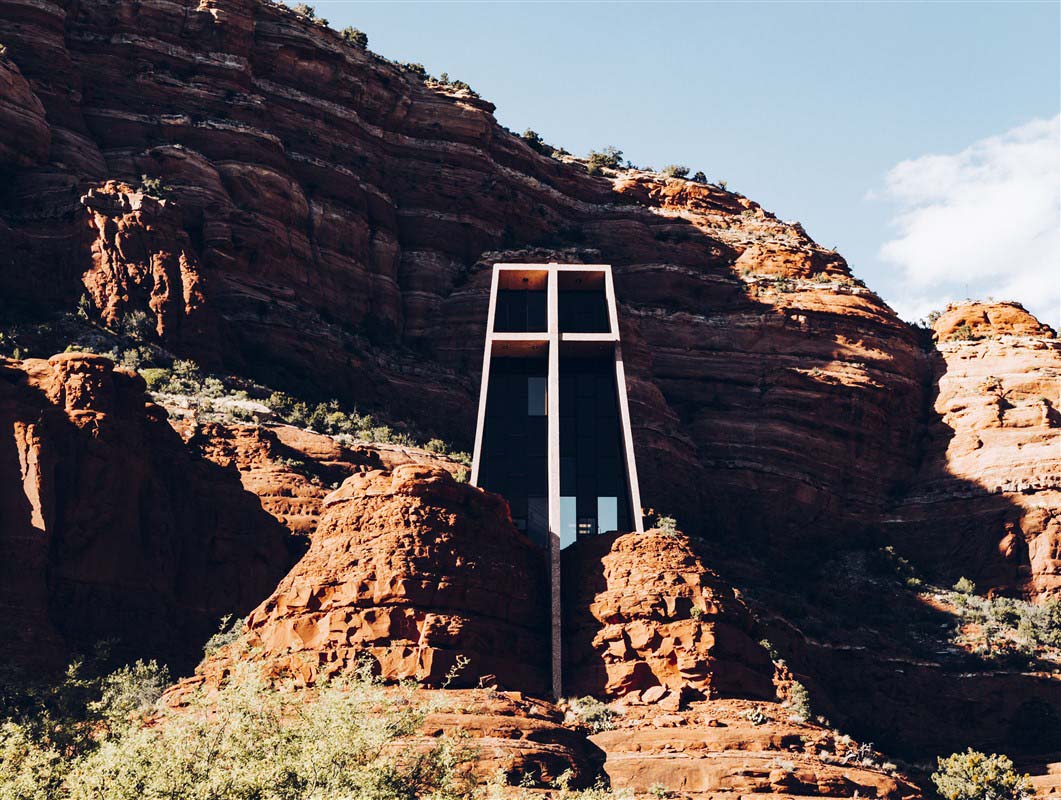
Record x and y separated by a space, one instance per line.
536 399
607 514
568 521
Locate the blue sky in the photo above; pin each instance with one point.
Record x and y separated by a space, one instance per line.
919 138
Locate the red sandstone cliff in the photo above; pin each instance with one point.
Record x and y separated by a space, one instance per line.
329 221
110 528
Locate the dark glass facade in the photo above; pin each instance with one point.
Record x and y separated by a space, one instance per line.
583 311
593 486
520 311
515 461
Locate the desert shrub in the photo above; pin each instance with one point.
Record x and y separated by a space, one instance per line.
963 332
304 10
592 713
535 142
229 629
130 690
699 177
975 776
246 740
436 446
462 475
609 157
755 716
675 171
665 524
964 586
153 187
416 69
355 37
799 702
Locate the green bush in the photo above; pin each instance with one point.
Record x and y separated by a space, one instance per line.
153 187
228 630
799 702
355 37
699 177
675 171
666 525
964 586
304 10
975 776
246 740
592 713
608 158
416 69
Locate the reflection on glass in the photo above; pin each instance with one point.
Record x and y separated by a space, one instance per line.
607 514
568 521
538 520
536 397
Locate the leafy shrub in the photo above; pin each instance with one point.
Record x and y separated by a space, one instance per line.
608 158
153 187
675 171
304 10
799 702
666 525
963 332
129 691
964 586
592 713
755 716
416 69
355 37
228 631
699 177
248 740
975 776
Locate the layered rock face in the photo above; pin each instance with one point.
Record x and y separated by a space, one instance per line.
645 617
425 577
335 219
291 469
986 501
109 528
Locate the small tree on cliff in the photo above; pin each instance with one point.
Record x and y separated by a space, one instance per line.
974 776
355 37
675 171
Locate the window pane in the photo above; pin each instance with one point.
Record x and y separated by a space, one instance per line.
538 520
607 514
536 397
568 521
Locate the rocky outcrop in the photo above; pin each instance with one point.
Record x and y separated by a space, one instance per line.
292 470
986 501
109 529
425 577
731 748
645 617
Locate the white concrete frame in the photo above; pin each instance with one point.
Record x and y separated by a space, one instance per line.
551 339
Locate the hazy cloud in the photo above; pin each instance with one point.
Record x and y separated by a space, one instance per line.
982 222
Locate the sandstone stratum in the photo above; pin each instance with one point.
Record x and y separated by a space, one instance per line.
229 185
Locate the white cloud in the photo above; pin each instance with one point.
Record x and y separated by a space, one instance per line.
982 222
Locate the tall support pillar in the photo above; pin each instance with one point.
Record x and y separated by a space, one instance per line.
553 415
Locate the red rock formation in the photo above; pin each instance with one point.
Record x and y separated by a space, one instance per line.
737 748
340 217
292 470
417 572
644 616
986 502
108 529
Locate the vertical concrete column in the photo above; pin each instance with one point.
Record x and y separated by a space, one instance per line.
484 379
553 412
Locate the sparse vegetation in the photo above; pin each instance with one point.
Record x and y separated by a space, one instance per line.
355 37
799 702
592 713
963 333
245 740
999 628
536 143
699 177
675 171
756 716
416 69
609 157
153 187
666 525
975 776
964 586
228 631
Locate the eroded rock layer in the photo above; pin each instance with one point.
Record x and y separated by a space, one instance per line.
109 528
425 577
643 615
